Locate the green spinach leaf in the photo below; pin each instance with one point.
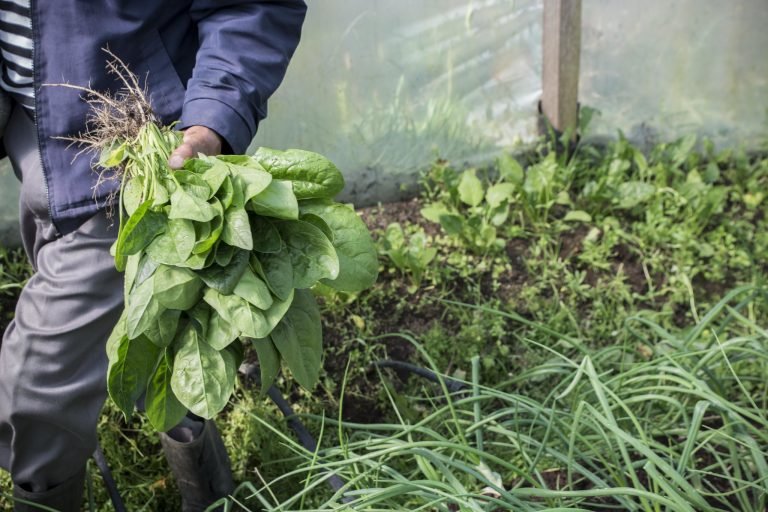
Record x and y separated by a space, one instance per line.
224 279
220 332
277 200
143 309
266 238
162 330
199 379
277 271
312 255
237 229
163 408
130 370
312 174
254 290
177 288
174 246
299 338
358 260
269 361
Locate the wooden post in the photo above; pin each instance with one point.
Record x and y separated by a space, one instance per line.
560 74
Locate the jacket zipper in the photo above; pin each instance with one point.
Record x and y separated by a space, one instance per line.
35 82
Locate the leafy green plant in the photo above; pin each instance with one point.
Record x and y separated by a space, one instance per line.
410 254
222 250
469 209
681 427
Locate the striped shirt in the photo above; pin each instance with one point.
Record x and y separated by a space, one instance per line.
16 51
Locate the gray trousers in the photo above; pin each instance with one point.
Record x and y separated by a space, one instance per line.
52 360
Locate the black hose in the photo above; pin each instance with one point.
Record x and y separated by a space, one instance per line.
251 371
109 482
452 385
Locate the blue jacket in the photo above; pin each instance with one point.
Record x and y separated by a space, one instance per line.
206 62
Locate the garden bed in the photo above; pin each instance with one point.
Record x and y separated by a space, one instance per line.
610 309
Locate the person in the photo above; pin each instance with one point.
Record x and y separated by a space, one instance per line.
211 65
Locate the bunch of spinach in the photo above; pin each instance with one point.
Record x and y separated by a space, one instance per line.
224 250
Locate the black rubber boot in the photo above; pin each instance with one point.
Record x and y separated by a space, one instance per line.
201 467
66 497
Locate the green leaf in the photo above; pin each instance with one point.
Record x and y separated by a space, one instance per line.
215 227
499 215
277 311
470 188
140 229
433 211
215 175
175 245
299 339
132 263
232 356
200 261
220 332
130 370
254 290
143 309
199 379
237 229
269 361
452 223
510 170
319 223
112 156
163 408
277 200
312 255
224 254
277 272
266 238
632 193
132 194
147 269
192 183
177 288
187 205
196 166
313 175
500 193
116 337
540 178
200 316
226 193
248 320
161 195
224 279
356 252
162 330
251 180
577 216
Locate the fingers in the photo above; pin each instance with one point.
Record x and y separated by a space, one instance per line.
180 155
197 139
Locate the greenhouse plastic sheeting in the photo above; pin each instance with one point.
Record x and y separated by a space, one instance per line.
658 70
384 87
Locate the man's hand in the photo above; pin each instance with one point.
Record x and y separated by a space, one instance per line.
197 139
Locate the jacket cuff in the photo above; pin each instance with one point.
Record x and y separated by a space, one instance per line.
221 118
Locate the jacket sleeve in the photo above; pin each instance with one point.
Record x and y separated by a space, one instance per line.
245 47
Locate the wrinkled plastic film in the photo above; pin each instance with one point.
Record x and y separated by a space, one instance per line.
383 88
659 70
